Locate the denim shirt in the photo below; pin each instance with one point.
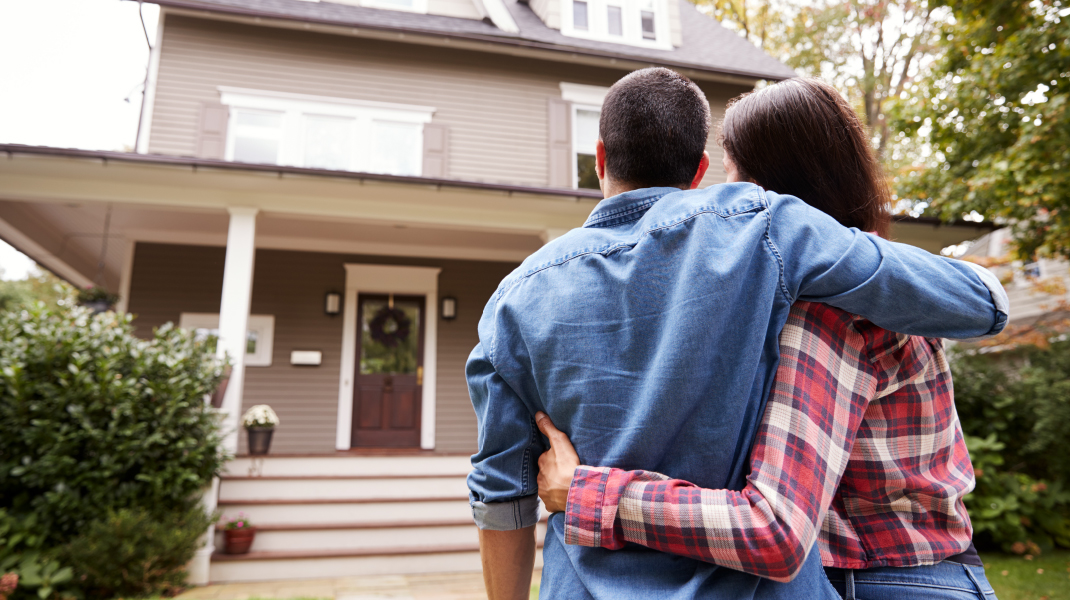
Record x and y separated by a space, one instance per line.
649 336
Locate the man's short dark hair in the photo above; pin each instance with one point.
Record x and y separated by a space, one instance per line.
654 125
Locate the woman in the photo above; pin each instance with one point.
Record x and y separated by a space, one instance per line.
860 448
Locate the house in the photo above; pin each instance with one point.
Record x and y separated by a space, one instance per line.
336 188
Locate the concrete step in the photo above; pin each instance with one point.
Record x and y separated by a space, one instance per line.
315 512
368 537
237 489
347 465
274 566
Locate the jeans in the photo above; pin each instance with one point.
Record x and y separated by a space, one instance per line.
942 581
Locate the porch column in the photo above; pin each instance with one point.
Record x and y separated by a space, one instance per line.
233 324
234 314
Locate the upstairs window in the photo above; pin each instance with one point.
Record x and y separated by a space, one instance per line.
324 133
635 22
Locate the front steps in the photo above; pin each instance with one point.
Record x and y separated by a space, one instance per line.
349 516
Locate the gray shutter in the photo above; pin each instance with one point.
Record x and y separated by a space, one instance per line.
436 151
560 167
212 135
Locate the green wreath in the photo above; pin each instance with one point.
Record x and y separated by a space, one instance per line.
386 334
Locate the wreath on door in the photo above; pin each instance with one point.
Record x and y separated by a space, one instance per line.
390 326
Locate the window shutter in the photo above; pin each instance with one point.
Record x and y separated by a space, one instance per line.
436 151
212 135
560 134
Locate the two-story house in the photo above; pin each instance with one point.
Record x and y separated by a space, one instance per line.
336 188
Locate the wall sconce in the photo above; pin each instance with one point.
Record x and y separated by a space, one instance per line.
449 308
332 304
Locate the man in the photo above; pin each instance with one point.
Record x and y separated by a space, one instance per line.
649 336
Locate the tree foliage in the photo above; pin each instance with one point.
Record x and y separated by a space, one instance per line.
995 111
38 286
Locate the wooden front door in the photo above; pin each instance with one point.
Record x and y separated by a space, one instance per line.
389 387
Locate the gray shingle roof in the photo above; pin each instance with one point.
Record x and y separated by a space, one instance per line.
707 46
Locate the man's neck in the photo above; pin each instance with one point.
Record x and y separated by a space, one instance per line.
612 188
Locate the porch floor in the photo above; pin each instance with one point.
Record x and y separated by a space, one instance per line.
443 586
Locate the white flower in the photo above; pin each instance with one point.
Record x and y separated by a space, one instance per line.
260 415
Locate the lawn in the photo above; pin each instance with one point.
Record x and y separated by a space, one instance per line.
1044 577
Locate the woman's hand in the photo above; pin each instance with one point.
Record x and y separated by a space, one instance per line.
556 466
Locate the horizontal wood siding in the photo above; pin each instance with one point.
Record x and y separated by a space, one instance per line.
494 106
171 279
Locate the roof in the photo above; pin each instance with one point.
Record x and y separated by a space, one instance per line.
707 45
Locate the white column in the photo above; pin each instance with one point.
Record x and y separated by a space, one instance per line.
233 324
234 314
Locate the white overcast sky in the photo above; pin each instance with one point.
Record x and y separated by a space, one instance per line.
66 68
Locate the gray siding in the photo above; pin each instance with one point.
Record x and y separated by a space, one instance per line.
169 280
494 106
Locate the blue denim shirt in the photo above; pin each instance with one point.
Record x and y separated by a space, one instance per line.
649 336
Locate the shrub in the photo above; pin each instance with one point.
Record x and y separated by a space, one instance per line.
94 421
1015 411
154 552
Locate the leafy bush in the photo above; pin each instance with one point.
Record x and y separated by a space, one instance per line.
153 551
94 421
1015 411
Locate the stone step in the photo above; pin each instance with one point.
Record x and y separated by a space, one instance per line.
317 512
274 566
368 537
349 466
239 489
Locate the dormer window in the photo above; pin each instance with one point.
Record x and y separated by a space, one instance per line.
635 22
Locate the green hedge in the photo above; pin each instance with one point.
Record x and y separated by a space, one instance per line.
97 425
1015 412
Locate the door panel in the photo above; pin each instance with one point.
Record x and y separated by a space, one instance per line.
389 390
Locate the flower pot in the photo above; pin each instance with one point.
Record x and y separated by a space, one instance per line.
98 306
238 541
259 439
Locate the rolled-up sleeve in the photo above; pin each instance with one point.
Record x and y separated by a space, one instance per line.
502 485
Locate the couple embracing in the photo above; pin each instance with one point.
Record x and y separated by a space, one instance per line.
706 385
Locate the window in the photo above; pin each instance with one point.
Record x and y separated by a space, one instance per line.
325 133
584 140
259 340
636 22
614 21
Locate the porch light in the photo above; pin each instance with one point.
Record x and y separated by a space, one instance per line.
449 308
333 303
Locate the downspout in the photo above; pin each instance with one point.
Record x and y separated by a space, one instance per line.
145 83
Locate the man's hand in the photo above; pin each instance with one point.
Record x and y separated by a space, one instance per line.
556 466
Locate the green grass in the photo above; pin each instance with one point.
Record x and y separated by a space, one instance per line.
1015 578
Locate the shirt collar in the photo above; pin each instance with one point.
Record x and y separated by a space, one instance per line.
627 206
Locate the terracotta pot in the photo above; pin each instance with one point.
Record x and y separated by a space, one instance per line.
238 541
259 439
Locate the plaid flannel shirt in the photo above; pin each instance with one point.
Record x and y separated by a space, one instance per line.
860 435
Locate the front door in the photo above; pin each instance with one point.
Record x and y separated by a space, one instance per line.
390 373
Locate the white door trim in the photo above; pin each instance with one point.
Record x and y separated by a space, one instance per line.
388 279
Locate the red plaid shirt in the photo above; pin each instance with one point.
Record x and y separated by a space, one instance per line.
860 436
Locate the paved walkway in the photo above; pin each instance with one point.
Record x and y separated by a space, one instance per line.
444 586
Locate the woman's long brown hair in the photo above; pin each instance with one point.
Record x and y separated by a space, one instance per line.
800 137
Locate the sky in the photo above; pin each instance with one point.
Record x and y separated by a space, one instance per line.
66 70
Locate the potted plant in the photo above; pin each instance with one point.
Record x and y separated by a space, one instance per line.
238 534
260 422
97 299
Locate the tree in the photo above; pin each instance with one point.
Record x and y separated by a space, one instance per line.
39 285
871 50
995 114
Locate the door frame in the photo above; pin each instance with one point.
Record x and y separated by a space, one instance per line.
400 281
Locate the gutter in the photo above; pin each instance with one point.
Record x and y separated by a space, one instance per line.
516 42
205 163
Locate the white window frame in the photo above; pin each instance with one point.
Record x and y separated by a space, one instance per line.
575 107
598 23
295 107
262 325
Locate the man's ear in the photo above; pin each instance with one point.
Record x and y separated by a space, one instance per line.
701 172
600 159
